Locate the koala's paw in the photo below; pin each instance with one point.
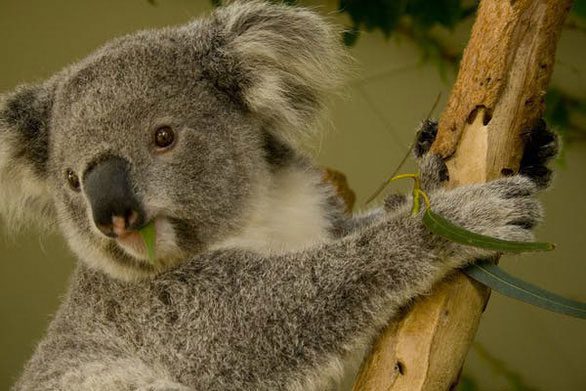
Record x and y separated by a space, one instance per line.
425 137
541 146
505 208
432 169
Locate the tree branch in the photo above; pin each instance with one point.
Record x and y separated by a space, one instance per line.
497 96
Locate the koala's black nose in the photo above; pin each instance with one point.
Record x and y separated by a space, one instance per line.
114 204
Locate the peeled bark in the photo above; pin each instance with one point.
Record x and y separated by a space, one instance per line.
498 96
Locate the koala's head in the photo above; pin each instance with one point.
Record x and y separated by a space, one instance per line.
178 127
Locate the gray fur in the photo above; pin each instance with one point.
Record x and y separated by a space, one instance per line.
222 310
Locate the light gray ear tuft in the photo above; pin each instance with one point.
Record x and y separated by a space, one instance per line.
24 139
289 60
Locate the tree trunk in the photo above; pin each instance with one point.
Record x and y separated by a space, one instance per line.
498 95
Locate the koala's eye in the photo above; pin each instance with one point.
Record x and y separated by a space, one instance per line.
164 137
73 180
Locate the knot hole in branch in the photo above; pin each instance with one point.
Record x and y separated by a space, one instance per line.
480 110
399 368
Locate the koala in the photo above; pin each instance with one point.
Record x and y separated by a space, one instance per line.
261 281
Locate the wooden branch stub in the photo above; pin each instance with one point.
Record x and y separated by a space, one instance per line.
498 95
340 183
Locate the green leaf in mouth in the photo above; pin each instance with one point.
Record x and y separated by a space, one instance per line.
149 235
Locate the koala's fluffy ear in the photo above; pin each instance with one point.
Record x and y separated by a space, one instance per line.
282 63
24 138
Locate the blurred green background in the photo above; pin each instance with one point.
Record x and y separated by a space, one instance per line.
369 133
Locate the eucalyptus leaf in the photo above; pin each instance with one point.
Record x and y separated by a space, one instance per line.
579 8
497 279
443 227
149 235
428 13
381 15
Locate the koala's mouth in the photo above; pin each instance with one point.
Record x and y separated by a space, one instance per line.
132 243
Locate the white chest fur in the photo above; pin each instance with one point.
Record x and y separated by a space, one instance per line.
290 213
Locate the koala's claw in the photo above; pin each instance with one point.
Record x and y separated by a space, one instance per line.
541 145
425 138
432 168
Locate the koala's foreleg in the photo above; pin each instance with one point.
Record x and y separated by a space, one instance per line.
344 291
337 295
